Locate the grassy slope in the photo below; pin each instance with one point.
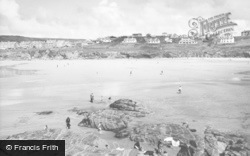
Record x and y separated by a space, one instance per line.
116 49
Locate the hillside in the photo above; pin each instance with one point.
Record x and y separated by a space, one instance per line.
117 49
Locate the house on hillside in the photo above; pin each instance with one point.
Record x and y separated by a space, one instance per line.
105 40
129 40
187 41
245 33
154 40
226 40
137 35
168 40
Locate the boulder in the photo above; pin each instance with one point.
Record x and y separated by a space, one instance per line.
110 120
129 106
114 118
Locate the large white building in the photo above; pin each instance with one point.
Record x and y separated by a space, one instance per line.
153 40
105 40
129 40
187 41
226 40
168 40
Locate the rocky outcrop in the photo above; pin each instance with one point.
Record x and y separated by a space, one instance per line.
152 133
217 143
110 120
114 118
130 107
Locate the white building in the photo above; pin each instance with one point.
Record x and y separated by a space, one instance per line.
168 40
153 41
129 40
226 40
105 40
187 41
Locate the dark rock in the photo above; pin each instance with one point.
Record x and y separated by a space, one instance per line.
131 107
110 120
44 113
79 111
236 143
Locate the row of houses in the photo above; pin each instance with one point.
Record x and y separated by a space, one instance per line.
43 44
155 40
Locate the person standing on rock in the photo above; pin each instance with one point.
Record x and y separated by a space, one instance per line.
137 146
68 122
91 97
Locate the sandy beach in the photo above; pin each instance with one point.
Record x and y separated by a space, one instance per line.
215 92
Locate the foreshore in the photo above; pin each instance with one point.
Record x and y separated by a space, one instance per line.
215 93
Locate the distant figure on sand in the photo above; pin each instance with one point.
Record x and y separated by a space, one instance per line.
46 128
68 122
179 90
91 97
161 72
130 72
110 98
99 127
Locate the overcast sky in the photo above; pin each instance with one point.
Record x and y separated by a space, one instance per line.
98 18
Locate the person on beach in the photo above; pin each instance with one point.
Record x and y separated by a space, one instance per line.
137 146
130 72
179 90
160 145
162 72
68 122
91 97
46 128
99 127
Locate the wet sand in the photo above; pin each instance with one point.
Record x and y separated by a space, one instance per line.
215 91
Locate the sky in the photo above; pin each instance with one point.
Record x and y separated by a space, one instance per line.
90 19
